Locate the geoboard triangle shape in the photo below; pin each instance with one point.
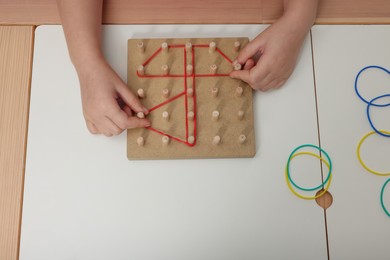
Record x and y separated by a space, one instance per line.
169 118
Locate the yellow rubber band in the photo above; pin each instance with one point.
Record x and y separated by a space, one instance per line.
360 158
309 197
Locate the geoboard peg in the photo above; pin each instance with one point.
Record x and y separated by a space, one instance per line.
237 66
242 139
213 69
216 140
165 93
236 46
191 115
214 92
164 47
141 70
215 115
190 69
165 140
165 115
240 115
141 47
140 115
140 141
191 139
212 47
141 93
239 91
190 92
188 46
165 69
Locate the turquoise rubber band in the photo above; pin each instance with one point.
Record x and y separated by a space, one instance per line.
288 168
382 204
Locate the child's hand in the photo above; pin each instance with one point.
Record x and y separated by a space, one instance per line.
107 101
270 58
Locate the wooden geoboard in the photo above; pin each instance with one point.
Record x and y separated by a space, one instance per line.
196 109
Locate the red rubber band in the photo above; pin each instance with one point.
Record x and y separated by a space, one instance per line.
184 76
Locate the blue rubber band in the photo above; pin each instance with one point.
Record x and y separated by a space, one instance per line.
357 79
369 117
288 167
382 204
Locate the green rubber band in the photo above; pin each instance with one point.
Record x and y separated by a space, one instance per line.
329 171
382 204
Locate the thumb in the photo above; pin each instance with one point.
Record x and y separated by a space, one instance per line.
243 75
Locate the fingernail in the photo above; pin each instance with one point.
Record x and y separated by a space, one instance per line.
146 111
235 62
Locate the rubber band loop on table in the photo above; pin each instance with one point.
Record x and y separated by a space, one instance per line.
289 161
360 158
382 204
357 79
324 189
369 117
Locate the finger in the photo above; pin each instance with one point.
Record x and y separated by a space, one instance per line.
135 122
247 52
92 128
131 100
243 75
249 64
124 121
127 110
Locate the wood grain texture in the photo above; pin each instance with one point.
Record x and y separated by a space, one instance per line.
15 73
202 11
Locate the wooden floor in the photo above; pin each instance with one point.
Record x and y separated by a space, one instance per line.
16 51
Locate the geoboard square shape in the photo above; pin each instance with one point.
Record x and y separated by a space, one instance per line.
227 135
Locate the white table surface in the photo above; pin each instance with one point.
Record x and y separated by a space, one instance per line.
84 200
358 227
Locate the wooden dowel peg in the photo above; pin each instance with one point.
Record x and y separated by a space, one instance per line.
214 92
242 139
239 91
191 139
140 115
190 115
190 92
164 47
165 140
213 69
215 115
140 141
165 93
141 47
165 69
212 47
190 69
188 47
240 115
141 93
236 46
237 66
165 115
216 140
141 70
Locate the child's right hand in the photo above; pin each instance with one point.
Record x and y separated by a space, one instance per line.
107 101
